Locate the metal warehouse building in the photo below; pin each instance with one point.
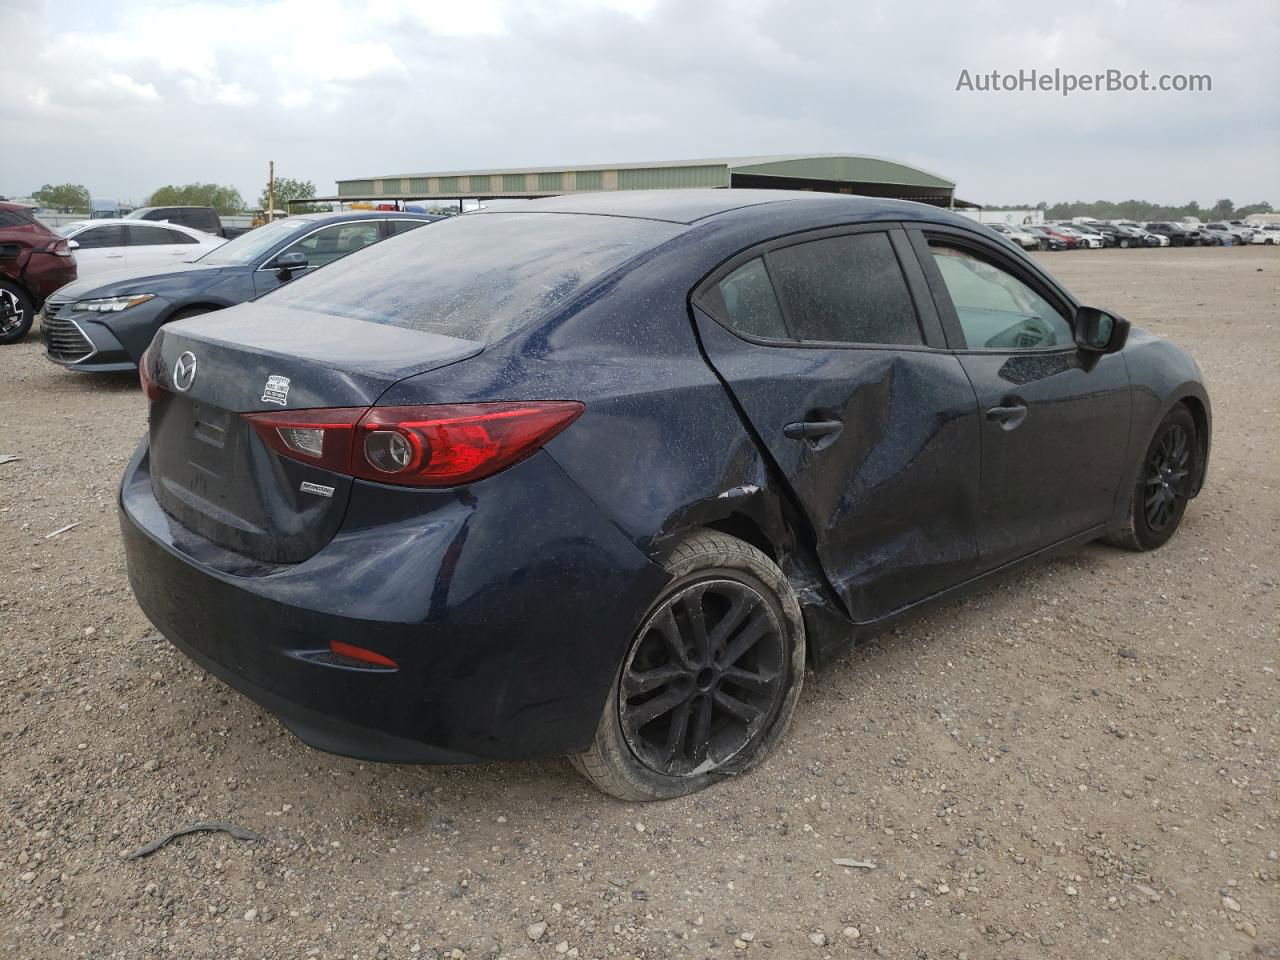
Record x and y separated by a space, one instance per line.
832 173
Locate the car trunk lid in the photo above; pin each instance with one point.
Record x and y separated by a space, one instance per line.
210 470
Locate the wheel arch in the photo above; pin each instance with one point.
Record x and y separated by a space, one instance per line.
207 306
1200 414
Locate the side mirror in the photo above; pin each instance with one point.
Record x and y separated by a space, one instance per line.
286 263
1097 331
73 244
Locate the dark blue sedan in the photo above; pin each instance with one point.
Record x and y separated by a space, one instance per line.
105 322
600 476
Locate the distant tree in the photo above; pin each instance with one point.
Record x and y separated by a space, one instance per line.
1252 208
1223 209
287 189
222 199
65 198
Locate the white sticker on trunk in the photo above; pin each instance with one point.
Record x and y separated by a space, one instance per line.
276 390
319 489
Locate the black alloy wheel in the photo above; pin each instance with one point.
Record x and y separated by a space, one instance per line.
1168 469
709 680
16 313
1167 478
708 672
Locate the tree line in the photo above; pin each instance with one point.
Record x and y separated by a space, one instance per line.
74 197
1137 210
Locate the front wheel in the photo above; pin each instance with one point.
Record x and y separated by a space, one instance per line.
710 680
1164 486
17 312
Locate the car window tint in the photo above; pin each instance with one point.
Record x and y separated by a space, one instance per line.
749 301
997 310
331 243
404 226
847 289
177 236
140 236
111 235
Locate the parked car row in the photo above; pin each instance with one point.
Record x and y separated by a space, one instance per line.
1097 234
105 321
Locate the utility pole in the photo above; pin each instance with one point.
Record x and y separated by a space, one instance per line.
271 190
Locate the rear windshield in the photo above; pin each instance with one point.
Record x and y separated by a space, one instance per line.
476 276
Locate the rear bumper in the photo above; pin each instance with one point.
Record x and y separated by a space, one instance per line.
507 610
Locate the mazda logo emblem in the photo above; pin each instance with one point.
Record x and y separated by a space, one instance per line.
184 372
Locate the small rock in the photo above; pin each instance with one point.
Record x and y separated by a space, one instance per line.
739 944
1231 904
28 876
251 914
853 933
1128 653
1249 929
1072 891
151 766
818 938
1047 940
537 931
562 946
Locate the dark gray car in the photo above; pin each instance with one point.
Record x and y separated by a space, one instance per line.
104 323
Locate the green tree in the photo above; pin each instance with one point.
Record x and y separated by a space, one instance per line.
222 199
65 198
1223 209
287 189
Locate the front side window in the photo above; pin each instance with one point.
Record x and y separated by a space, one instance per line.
749 301
998 311
111 235
332 243
847 289
246 248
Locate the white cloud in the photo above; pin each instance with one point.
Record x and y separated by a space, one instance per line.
328 89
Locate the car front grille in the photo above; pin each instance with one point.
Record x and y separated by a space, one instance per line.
63 338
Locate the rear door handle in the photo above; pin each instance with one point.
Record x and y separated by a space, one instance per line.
1008 416
812 429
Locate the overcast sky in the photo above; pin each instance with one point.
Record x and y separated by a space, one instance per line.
129 95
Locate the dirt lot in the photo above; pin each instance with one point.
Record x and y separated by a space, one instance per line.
1079 762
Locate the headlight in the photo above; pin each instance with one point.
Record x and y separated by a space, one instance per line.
112 304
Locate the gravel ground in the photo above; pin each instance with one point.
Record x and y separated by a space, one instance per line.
1080 761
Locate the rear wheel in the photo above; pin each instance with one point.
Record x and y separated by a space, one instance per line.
710 680
17 312
1164 485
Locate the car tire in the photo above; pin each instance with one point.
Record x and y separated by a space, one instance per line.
1168 472
17 312
721 717
1124 244
1044 244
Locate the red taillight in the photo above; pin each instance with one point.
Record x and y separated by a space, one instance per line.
352 652
146 374
426 446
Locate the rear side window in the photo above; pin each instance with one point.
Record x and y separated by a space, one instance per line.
749 302
404 226
140 236
478 276
846 289
95 237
